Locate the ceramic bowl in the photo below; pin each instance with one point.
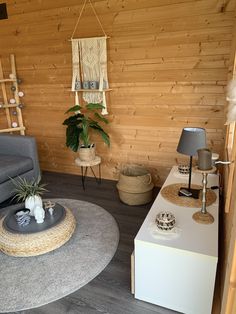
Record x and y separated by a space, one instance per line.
165 220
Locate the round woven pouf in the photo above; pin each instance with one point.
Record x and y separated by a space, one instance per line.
23 245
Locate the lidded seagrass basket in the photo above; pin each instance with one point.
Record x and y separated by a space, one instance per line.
135 185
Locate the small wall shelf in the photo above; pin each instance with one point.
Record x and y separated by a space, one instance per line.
92 90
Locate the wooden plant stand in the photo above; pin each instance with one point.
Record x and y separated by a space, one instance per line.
10 108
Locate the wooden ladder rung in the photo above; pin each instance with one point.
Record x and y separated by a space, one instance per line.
12 129
7 80
9 105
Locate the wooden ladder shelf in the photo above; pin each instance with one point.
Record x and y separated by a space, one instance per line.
18 126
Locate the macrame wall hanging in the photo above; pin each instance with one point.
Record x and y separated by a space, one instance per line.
89 61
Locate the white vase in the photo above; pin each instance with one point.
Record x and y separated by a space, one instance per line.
32 201
39 214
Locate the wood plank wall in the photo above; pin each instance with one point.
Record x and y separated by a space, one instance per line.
168 63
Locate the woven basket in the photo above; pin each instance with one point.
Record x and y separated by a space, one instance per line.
135 185
87 154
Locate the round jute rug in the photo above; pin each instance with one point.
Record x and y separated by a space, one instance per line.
28 282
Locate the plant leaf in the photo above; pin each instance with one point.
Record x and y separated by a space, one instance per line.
25 188
94 125
72 137
103 119
76 119
73 109
94 106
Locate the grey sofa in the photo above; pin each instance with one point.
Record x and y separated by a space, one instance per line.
18 157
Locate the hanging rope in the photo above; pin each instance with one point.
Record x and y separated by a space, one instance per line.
82 9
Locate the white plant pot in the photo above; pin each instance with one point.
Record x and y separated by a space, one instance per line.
32 201
87 153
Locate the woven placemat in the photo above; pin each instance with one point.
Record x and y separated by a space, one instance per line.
170 193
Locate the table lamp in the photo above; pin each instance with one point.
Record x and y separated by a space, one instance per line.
190 141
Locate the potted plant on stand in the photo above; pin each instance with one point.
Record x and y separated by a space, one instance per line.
78 130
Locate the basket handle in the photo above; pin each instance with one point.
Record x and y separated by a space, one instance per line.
149 181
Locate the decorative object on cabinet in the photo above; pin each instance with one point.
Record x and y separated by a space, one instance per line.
12 106
204 159
183 169
135 185
203 216
165 220
190 141
89 60
79 126
170 193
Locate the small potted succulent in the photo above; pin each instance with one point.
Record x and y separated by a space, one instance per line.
79 125
29 192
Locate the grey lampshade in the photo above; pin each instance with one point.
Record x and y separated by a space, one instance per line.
191 140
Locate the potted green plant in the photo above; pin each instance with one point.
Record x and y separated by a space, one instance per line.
29 192
80 124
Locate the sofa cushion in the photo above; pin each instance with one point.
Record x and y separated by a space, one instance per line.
12 166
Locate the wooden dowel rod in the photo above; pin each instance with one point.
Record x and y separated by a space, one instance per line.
9 105
7 80
17 98
71 39
4 92
12 129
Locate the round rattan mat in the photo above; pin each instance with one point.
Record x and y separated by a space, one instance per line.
170 193
20 244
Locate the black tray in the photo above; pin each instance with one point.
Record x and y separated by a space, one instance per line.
11 225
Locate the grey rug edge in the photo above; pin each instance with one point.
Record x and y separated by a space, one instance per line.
63 295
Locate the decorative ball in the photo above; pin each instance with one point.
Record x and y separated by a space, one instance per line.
14 113
14 124
13 88
165 220
12 76
21 94
12 101
19 81
21 106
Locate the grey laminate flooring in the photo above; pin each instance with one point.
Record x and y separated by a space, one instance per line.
109 292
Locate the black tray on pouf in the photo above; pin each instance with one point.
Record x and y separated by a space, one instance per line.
11 225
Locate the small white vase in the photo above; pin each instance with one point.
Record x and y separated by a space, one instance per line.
32 201
39 214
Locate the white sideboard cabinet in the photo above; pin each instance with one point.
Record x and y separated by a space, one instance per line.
178 272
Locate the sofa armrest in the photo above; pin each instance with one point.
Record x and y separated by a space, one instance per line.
20 145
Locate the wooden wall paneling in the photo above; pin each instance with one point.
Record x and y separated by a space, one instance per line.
167 64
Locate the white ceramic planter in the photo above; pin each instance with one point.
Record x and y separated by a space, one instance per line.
32 201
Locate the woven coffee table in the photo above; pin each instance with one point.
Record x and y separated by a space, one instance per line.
36 239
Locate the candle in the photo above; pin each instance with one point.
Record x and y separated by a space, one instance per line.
204 159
